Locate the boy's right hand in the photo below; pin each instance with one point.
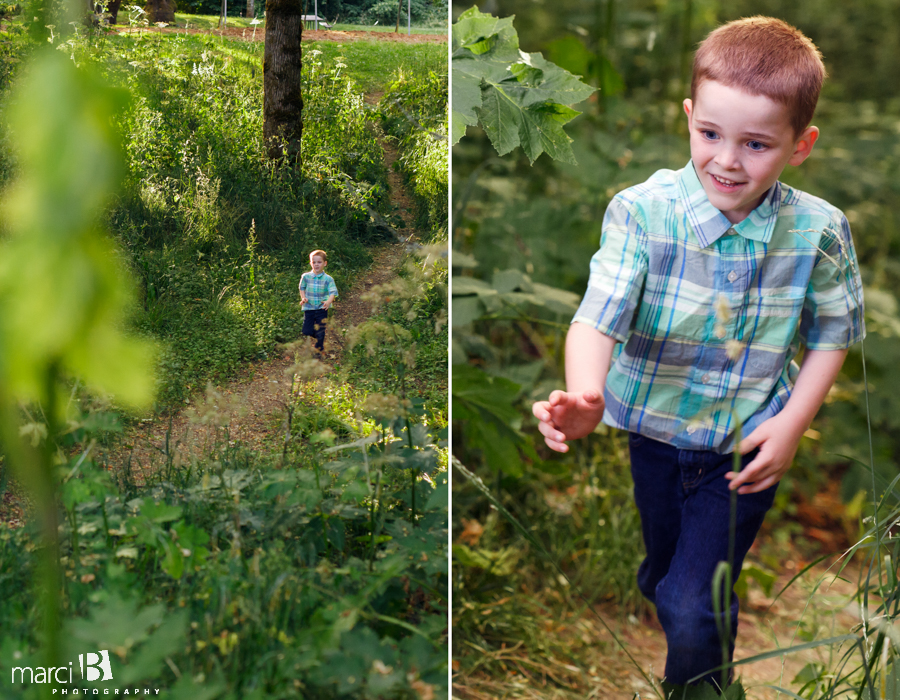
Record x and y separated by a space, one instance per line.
568 416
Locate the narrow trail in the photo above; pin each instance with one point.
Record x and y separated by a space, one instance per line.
818 605
251 406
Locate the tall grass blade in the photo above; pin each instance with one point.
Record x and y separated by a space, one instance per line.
480 485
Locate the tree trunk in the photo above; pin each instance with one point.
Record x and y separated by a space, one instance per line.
399 7
250 12
160 11
282 63
113 10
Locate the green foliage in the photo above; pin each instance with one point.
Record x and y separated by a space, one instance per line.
239 574
56 265
367 12
414 111
519 98
198 184
408 321
261 580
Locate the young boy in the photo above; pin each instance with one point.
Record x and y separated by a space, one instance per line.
317 293
711 277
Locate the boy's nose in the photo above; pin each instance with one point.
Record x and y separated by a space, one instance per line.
727 157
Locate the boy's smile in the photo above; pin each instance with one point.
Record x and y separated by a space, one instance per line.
740 143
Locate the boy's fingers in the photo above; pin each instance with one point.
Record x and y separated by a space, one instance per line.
752 441
758 486
748 473
558 398
551 434
556 446
541 410
592 400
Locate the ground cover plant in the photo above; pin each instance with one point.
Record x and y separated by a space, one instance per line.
522 237
414 112
313 565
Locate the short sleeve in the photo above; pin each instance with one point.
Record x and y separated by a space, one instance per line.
332 287
618 272
833 315
303 281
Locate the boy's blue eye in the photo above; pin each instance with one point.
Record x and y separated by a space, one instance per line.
756 145
711 135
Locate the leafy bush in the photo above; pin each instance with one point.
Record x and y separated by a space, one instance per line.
414 111
273 572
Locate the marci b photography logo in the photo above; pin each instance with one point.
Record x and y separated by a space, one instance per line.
94 666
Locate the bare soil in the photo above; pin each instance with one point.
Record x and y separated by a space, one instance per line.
308 34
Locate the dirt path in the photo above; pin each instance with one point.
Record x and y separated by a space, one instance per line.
764 625
252 405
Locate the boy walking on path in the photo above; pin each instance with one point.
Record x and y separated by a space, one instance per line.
317 293
706 282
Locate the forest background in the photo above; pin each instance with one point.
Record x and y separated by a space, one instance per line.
423 13
523 236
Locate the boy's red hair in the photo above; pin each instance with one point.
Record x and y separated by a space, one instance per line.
764 56
320 253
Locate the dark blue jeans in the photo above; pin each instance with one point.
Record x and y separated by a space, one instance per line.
314 326
685 504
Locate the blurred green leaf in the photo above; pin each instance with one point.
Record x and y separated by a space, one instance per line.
63 288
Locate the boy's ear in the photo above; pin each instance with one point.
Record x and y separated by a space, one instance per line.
688 106
804 145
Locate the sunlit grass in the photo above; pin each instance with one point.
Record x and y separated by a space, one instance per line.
343 27
212 21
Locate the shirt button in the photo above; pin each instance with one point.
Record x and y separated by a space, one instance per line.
705 379
720 332
691 429
732 276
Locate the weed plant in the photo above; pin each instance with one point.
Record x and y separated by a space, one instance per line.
409 320
414 112
265 567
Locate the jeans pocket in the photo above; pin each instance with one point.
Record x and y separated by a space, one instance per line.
635 439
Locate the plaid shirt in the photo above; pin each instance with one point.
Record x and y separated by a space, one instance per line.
712 314
318 288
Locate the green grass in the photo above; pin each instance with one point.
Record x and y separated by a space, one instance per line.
212 21
373 64
341 26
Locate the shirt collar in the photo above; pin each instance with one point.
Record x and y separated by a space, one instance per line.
710 224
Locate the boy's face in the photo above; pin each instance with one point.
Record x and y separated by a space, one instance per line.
740 143
318 263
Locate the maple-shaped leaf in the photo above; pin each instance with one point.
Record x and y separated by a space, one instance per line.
520 99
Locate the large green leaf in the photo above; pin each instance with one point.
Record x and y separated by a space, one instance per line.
484 404
520 99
